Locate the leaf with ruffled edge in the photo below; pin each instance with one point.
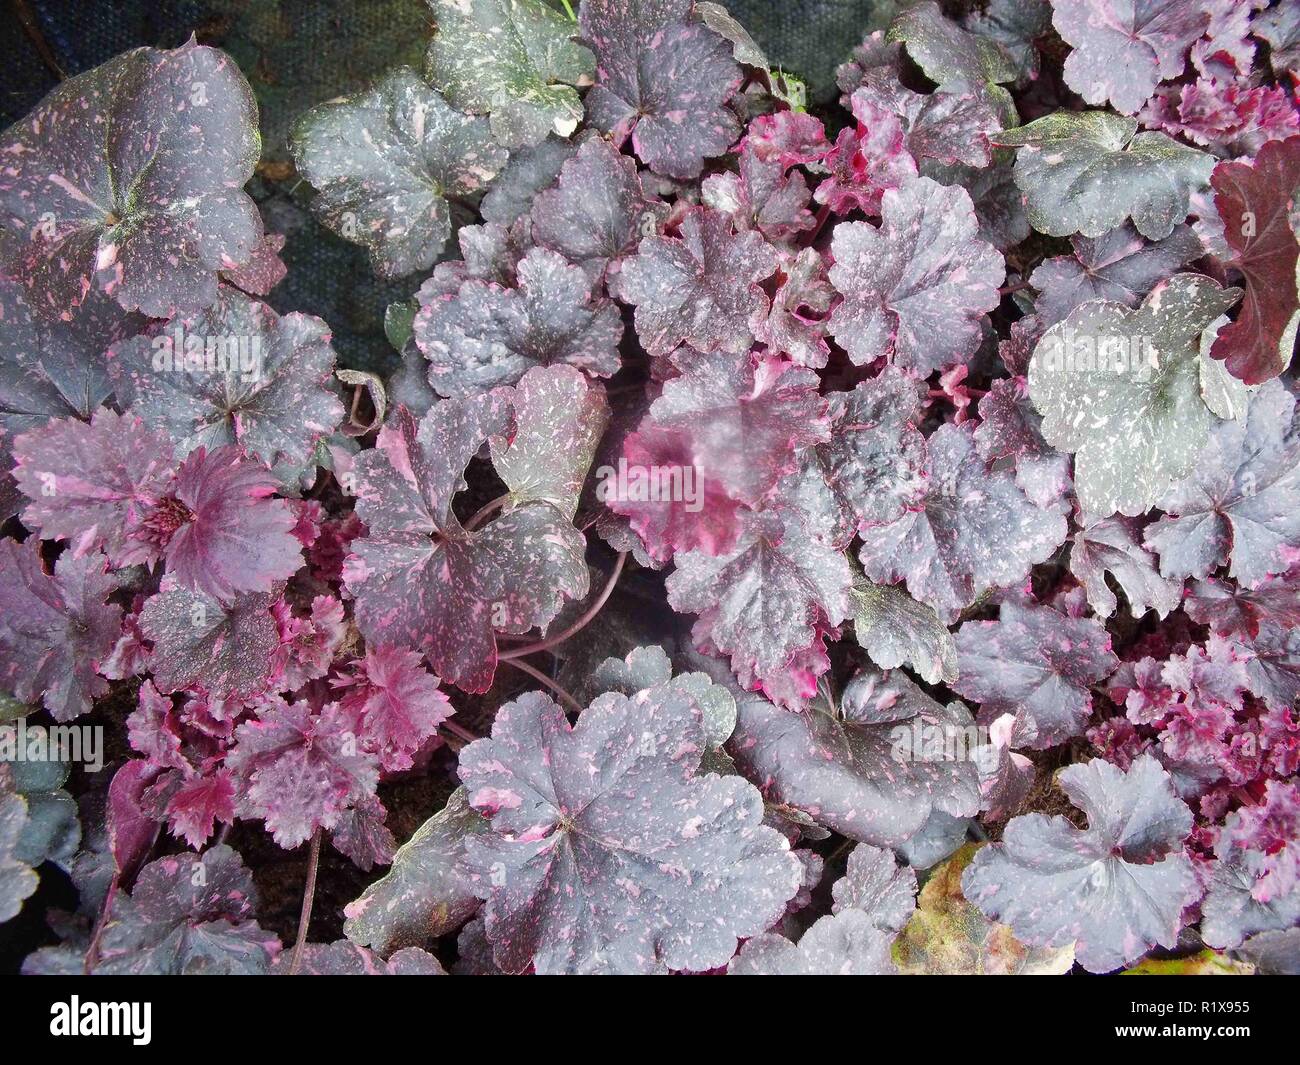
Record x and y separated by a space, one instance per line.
950 56
55 629
1121 389
128 179
1036 663
18 880
896 630
347 959
486 335
236 373
700 289
227 649
385 160
1120 52
1116 888
1114 546
761 195
1088 172
529 171
188 914
427 893
420 579
875 771
607 851
514 60
1231 610
915 288
975 530
663 79
875 884
842 944
1241 504
1256 202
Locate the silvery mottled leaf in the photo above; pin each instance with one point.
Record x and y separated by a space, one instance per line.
1230 912
745 49
949 936
426 893
188 914
1223 393
940 836
363 836
946 53
1280 27
999 207
1116 888
1118 266
1120 51
768 599
227 649
348 959
974 530
598 211
1088 172
878 886
1121 389
127 179
700 289
422 580
843 944
514 60
896 630
18 881
1241 502
796 325
529 171
1231 610
559 419
761 195
1274 671
1114 546
236 373
55 629
876 456
606 852
384 161
1036 663
662 78
645 668
1016 25
874 772
915 288
486 335
948 127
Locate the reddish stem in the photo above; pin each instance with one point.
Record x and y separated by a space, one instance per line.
822 217
577 626
485 510
460 731
308 900
537 675
1007 290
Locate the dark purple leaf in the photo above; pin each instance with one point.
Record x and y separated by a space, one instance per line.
1114 546
842 944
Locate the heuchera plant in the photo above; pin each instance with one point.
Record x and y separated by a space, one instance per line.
902 494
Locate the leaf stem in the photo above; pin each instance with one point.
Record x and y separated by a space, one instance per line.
308 900
581 623
542 678
460 731
485 511
568 10
1007 290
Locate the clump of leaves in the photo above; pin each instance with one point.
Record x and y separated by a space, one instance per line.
819 494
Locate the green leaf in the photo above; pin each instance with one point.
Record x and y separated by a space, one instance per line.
514 60
1087 172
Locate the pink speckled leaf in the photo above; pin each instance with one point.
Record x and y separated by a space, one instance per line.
948 127
1231 610
875 884
188 914
607 850
264 269
1240 505
598 211
861 772
895 630
842 944
663 79
363 836
915 288
420 579
92 485
227 649
128 179
1116 888
383 162
975 530
796 325
347 959
1036 663
54 629
486 335
1122 51
876 458
762 195
700 289
298 769
236 373
1114 546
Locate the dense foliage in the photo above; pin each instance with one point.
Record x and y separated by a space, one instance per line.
949 442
